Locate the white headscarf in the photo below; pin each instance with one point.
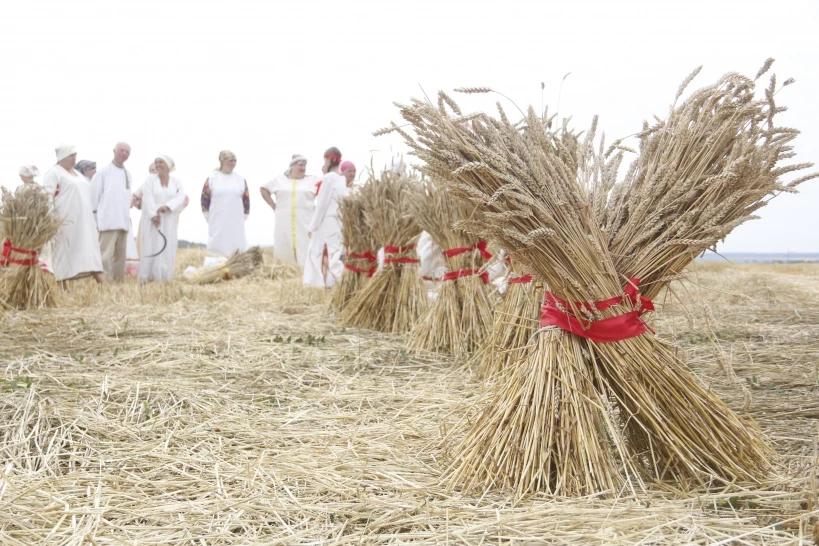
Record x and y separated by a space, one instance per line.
29 170
297 158
168 161
64 150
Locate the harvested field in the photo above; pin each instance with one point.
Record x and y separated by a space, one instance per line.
242 413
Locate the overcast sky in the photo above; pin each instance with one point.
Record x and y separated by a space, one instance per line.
267 79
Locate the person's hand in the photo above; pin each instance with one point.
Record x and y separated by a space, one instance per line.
155 221
163 209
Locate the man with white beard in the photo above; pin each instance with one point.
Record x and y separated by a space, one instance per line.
111 190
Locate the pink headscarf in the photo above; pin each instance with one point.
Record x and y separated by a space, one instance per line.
346 166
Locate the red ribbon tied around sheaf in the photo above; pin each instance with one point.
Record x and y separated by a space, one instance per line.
7 259
452 275
369 271
369 256
606 330
525 279
398 250
480 247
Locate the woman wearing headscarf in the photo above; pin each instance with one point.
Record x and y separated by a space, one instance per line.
162 197
76 247
323 266
291 195
226 206
87 168
136 201
28 173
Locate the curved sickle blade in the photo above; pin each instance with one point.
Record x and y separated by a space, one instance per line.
164 244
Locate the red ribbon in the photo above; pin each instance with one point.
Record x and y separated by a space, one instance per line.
525 279
334 157
7 259
480 247
398 250
370 272
369 256
388 261
616 328
452 275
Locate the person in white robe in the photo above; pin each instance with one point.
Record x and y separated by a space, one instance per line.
432 265
136 202
111 189
87 168
28 173
324 264
162 198
75 248
226 206
292 197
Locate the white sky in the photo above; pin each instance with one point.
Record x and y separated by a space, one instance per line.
268 79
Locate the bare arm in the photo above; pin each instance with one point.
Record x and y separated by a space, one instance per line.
268 198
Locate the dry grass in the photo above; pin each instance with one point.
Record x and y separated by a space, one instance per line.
183 414
516 319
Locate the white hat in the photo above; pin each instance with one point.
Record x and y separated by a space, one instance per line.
29 170
64 150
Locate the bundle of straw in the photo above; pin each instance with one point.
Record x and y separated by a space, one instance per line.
28 221
517 317
515 320
460 317
395 297
240 264
579 416
360 261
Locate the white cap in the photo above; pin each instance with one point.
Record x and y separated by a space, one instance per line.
64 150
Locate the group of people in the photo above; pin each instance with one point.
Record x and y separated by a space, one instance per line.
308 231
94 205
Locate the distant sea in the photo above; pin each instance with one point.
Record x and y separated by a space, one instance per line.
762 257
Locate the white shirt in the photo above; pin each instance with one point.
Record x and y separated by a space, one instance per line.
111 191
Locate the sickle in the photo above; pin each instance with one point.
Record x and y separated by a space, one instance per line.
164 244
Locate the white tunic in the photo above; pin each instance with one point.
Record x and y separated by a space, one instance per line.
325 227
433 264
111 191
295 201
226 213
76 247
160 267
